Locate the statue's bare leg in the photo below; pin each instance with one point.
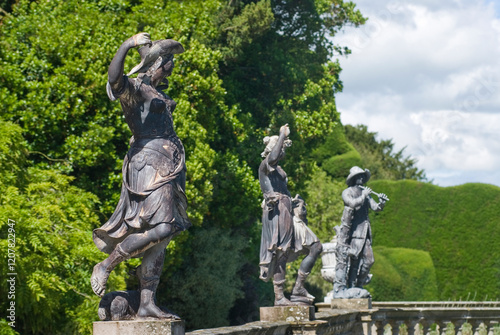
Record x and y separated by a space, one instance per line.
149 276
131 246
279 281
299 293
102 270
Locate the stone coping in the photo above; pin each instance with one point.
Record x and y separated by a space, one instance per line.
139 327
287 313
441 304
323 320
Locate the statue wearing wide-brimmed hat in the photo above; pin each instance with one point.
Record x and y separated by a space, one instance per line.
354 248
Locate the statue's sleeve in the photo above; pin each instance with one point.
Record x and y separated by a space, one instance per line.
377 207
352 201
122 91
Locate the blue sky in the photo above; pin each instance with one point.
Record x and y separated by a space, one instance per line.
427 75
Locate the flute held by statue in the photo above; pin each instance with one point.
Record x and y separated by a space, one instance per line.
381 196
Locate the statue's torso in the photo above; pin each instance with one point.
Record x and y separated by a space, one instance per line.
148 112
273 179
360 224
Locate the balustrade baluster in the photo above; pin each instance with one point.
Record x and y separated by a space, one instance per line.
459 327
378 327
492 325
410 330
478 327
427 326
442 327
418 327
395 326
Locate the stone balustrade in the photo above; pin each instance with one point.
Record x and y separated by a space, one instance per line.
425 318
411 318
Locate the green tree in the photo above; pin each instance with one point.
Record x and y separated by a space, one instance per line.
53 256
336 155
283 74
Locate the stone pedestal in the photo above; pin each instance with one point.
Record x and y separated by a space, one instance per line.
365 303
287 313
139 327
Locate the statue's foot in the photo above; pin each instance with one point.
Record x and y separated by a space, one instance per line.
152 311
302 292
283 302
352 293
366 281
301 300
99 279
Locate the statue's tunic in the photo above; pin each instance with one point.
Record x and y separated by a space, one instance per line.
277 224
153 169
304 237
357 207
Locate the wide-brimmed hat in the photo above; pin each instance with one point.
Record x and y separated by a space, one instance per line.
159 48
356 171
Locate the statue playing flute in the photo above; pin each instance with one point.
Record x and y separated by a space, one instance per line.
354 251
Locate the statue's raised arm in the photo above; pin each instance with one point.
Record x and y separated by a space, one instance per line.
285 234
115 70
152 206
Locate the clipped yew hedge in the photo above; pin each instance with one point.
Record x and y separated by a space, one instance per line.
458 226
401 274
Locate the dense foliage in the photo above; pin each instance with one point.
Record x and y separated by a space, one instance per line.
53 259
336 155
457 226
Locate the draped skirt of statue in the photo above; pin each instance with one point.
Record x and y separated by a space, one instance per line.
304 238
153 192
277 234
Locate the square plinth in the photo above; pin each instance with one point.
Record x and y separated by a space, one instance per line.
139 327
365 303
287 313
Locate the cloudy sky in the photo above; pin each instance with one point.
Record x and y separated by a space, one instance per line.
426 74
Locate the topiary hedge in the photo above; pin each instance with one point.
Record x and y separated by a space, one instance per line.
458 226
401 274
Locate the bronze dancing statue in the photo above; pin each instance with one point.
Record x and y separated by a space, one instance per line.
285 234
354 251
152 205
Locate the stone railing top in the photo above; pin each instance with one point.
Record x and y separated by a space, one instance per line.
350 321
323 319
257 327
438 304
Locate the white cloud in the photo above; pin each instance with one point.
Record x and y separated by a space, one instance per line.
427 74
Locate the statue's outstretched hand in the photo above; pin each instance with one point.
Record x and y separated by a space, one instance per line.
382 198
285 129
141 39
